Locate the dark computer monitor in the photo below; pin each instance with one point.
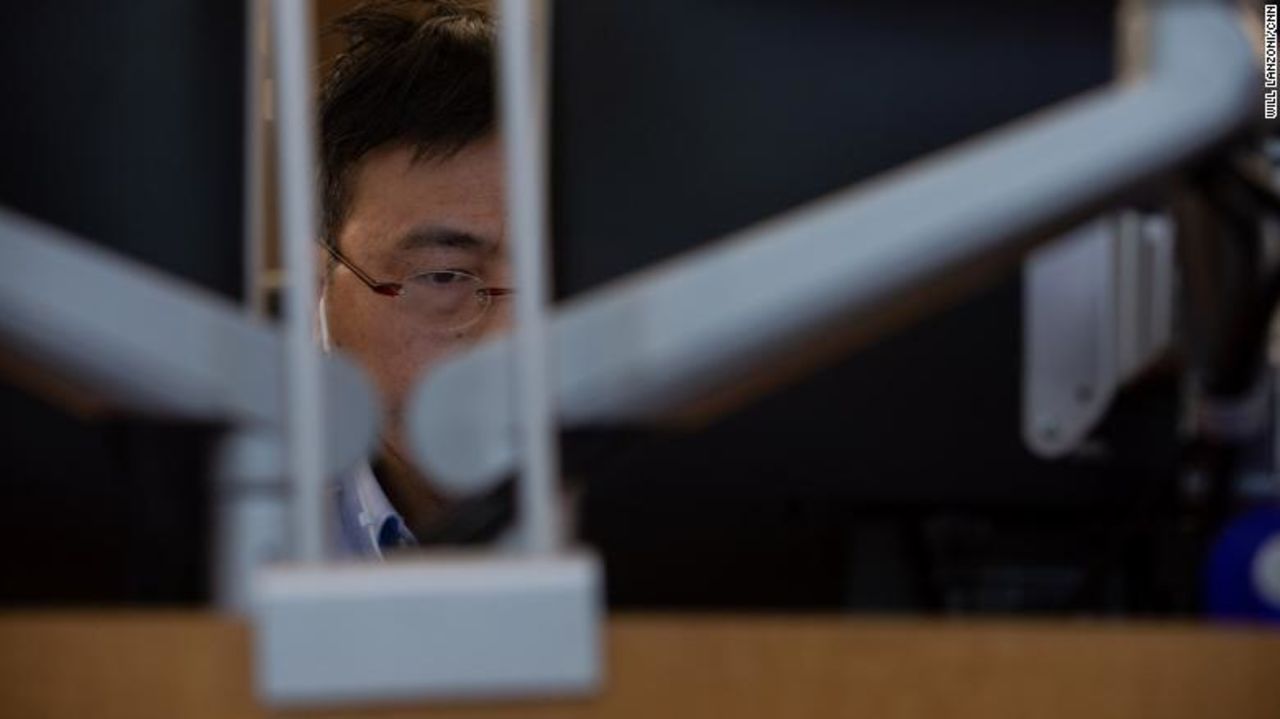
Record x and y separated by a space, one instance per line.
895 478
121 122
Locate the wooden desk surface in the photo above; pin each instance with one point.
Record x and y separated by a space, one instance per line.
725 667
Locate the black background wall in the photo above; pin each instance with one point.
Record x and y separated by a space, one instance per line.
121 122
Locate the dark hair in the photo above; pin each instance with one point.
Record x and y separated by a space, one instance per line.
417 73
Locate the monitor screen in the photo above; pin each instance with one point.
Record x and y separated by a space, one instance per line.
896 477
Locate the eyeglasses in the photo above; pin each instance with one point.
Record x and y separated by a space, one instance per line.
445 299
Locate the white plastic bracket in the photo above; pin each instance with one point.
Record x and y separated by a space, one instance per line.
1097 309
453 628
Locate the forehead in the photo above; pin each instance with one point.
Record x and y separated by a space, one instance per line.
392 194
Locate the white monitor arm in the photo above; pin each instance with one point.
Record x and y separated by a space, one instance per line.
695 332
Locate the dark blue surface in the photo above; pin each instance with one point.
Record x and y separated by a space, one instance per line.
1229 588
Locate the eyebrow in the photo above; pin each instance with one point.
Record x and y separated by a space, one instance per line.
438 236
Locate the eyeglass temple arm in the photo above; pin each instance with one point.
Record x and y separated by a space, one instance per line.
375 285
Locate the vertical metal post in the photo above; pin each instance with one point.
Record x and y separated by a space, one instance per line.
523 41
254 261
295 145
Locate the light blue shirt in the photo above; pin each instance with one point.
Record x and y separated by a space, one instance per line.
367 523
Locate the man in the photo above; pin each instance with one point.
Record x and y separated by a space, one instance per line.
413 227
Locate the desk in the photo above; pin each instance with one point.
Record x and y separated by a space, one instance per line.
194 665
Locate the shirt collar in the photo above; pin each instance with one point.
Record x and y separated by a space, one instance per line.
368 523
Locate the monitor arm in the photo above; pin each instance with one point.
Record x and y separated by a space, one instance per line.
694 336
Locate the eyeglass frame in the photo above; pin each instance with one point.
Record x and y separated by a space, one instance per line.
396 289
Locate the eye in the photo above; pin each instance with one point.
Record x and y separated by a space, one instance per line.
442 278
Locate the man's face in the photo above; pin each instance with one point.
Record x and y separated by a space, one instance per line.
408 217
